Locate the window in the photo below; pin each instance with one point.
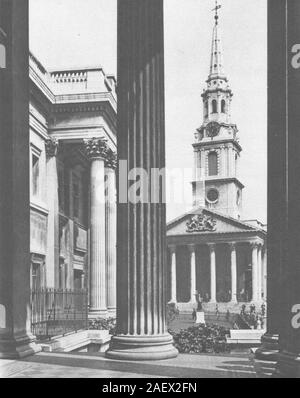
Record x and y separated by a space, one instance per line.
76 199
223 106
35 276
212 164
206 108
2 57
214 106
212 195
35 175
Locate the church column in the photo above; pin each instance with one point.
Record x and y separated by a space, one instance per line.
96 150
254 247
233 273
193 273
16 339
259 271
213 279
111 230
223 160
52 254
203 171
173 274
264 272
141 303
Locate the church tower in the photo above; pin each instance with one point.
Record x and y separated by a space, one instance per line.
217 150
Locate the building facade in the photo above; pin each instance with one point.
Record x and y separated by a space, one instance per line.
211 251
72 182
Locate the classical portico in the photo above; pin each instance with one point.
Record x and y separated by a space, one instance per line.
221 258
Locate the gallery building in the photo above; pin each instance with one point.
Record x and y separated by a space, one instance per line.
72 183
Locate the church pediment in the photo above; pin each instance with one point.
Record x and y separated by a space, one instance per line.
203 221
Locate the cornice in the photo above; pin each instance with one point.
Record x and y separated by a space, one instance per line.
223 179
211 144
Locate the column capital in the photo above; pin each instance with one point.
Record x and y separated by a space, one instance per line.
172 248
191 247
111 159
212 247
232 245
51 147
96 148
254 245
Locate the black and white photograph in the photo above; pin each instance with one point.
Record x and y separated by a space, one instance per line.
149 191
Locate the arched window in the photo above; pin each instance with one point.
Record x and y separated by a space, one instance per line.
214 106
2 57
206 108
212 164
223 106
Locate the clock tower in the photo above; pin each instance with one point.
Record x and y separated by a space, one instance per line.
216 148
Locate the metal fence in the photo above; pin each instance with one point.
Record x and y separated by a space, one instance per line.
56 312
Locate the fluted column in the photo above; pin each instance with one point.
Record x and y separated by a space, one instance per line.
96 150
52 253
259 272
277 183
16 339
111 230
141 226
254 247
193 273
173 274
233 273
213 277
264 273
289 339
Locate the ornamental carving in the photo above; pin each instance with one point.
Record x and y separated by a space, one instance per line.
111 159
51 146
201 223
96 148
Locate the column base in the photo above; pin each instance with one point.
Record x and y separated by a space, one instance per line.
18 347
269 348
142 348
288 365
97 313
112 312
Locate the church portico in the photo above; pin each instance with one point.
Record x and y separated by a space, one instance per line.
223 267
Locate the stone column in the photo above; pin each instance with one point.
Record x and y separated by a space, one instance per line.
259 272
233 273
277 184
254 247
141 226
264 272
223 160
173 275
96 150
52 253
289 339
16 339
193 273
213 278
111 231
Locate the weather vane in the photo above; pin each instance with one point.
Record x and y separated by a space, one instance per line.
217 7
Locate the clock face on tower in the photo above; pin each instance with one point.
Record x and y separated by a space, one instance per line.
213 129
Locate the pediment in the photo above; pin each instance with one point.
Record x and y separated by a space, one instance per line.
204 221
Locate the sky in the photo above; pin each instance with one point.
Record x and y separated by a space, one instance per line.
74 33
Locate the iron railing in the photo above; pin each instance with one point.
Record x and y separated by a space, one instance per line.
55 312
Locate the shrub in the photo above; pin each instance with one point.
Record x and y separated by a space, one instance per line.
103 324
201 339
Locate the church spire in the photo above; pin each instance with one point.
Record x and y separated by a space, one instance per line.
216 63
